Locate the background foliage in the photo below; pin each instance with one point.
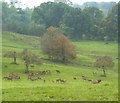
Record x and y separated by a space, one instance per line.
89 22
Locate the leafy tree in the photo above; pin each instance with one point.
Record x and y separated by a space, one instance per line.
12 54
19 20
48 40
110 24
64 49
49 13
74 19
94 17
5 11
35 29
66 30
57 45
72 22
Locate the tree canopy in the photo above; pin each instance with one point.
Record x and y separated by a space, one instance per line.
57 46
75 23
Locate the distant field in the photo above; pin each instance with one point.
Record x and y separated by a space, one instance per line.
72 90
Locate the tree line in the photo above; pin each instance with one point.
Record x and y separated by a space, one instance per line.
89 23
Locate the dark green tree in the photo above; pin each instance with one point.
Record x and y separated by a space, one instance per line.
110 24
49 13
74 19
94 17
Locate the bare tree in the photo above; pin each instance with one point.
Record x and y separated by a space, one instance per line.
104 62
29 58
12 54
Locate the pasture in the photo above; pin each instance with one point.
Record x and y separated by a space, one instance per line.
75 88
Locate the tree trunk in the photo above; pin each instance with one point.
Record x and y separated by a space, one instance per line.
14 56
63 55
64 60
104 72
14 60
26 69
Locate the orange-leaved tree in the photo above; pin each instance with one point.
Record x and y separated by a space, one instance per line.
57 45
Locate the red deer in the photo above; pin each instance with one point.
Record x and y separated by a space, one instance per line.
84 78
74 78
58 71
96 81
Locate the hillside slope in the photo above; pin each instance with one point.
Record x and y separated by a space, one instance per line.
10 39
74 89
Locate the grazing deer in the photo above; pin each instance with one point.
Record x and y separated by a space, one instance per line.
48 72
43 72
89 80
63 81
32 79
39 78
96 81
60 80
7 78
12 76
58 71
74 78
83 77
17 78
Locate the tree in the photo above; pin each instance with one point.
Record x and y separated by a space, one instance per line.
48 40
49 14
94 17
104 62
19 20
57 45
12 54
64 49
67 31
74 19
110 24
29 59
5 11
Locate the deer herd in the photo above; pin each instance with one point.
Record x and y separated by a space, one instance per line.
35 75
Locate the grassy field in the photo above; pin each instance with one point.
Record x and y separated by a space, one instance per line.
72 90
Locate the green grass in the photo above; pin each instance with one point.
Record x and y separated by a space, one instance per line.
72 90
